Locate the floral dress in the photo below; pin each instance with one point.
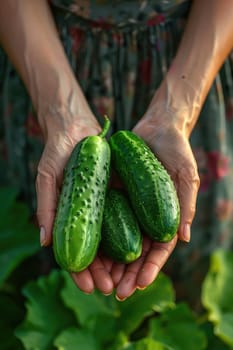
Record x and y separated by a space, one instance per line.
120 52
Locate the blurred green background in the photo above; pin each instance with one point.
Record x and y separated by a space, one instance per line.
42 309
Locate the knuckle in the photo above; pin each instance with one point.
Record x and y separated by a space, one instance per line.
190 174
45 177
192 211
190 182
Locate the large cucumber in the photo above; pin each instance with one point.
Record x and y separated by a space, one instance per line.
150 188
78 222
121 236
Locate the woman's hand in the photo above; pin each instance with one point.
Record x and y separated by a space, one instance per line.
63 132
105 274
59 144
164 133
169 141
171 146
143 271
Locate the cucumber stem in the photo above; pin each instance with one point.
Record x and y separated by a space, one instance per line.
105 128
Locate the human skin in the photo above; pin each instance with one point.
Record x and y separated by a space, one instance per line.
65 118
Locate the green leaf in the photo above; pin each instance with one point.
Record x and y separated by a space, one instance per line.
217 294
103 328
178 328
46 314
18 237
106 317
214 342
73 339
224 329
156 297
11 315
8 196
86 307
95 312
147 344
120 342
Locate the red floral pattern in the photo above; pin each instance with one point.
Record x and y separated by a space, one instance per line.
218 164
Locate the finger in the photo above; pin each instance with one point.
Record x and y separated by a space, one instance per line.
188 184
154 261
117 272
46 205
127 284
84 281
101 276
107 262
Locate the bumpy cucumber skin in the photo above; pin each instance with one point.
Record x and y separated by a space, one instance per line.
78 222
121 236
150 188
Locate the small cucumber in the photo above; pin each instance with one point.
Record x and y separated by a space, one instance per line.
78 222
150 188
121 236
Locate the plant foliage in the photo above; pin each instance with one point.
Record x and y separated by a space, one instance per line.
49 312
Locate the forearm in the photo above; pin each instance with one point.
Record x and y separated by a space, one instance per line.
29 37
206 42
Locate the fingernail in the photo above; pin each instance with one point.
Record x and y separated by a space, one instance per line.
186 233
118 298
107 294
141 288
42 236
88 293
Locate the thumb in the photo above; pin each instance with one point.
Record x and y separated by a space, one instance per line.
46 205
187 187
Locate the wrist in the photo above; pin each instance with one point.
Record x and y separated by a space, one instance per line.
177 102
50 95
62 107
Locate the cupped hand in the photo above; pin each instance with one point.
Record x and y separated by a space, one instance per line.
106 275
59 143
171 146
61 136
173 149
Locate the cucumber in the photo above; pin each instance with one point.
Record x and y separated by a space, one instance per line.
78 221
151 191
121 236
